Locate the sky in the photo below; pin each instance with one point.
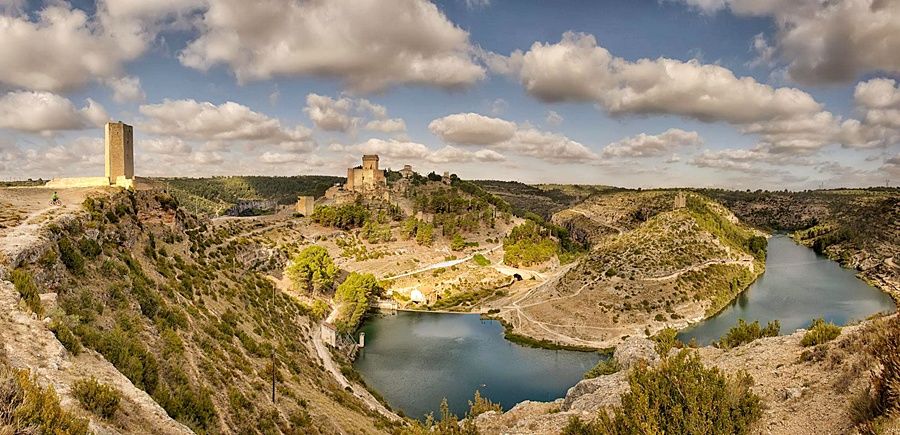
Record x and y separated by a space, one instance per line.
743 94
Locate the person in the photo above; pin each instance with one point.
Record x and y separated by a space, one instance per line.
55 199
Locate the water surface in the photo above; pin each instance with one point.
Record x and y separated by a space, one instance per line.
416 359
798 285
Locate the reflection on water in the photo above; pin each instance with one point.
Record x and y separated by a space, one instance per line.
416 359
798 285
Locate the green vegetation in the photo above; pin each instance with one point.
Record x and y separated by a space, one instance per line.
881 402
421 231
680 396
605 367
70 256
98 398
731 233
375 232
216 194
744 333
354 296
665 341
312 270
26 407
820 332
24 284
449 423
481 260
528 244
66 337
345 216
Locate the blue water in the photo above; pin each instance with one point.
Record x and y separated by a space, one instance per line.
416 359
798 286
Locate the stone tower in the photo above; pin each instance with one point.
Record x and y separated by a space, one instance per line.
370 162
119 151
305 205
367 177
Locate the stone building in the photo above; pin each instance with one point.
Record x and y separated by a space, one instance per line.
367 177
680 200
119 158
306 205
407 171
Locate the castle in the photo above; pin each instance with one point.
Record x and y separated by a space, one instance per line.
366 178
119 156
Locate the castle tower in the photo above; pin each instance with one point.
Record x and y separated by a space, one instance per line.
305 205
119 151
370 162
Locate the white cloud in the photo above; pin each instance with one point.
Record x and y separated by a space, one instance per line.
44 112
368 44
170 146
644 145
394 125
451 154
472 129
551 147
61 48
204 121
553 118
393 148
826 41
126 89
329 114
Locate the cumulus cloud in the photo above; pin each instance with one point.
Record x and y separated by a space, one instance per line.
328 113
826 41
551 147
205 121
892 166
451 154
169 146
344 114
472 129
787 120
126 89
393 148
645 145
368 44
45 112
82 47
393 125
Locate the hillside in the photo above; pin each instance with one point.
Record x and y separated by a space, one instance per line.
860 228
541 199
161 305
213 195
659 269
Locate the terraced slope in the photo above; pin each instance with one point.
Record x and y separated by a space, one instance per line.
677 267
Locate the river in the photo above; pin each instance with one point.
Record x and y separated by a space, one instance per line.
414 360
798 286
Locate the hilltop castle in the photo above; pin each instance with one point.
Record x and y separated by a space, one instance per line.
119 157
366 178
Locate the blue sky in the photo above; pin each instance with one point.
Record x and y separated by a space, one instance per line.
726 93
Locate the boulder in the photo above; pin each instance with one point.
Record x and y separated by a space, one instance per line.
635 349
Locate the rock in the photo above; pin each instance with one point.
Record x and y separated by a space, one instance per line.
791 393
590 395
635 349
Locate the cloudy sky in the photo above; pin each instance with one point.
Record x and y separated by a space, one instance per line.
732 93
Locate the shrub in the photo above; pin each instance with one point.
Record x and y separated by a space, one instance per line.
354 295
70 256
90 248
344 217
820 332
605 367
458 243
95 397
479 405
744 333
481 260
26 287
665 340
680 396
26 407
528 244
312 270
66 337
882 400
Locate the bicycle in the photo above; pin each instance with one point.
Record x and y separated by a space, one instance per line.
55 202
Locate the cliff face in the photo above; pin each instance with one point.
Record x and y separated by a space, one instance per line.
157 303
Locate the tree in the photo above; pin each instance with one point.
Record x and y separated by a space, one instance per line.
458 243
425 234
355 294
312 270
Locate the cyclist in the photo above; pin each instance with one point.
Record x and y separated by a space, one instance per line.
55 200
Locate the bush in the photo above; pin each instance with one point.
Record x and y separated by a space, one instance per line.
479 405
604 367
70 256
66 337
344 217
98 398
528 244
744 333
665 340
820 332
481 260
680 396
26 407
312 270
355 294
882 400
90 248
458 243
28 290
